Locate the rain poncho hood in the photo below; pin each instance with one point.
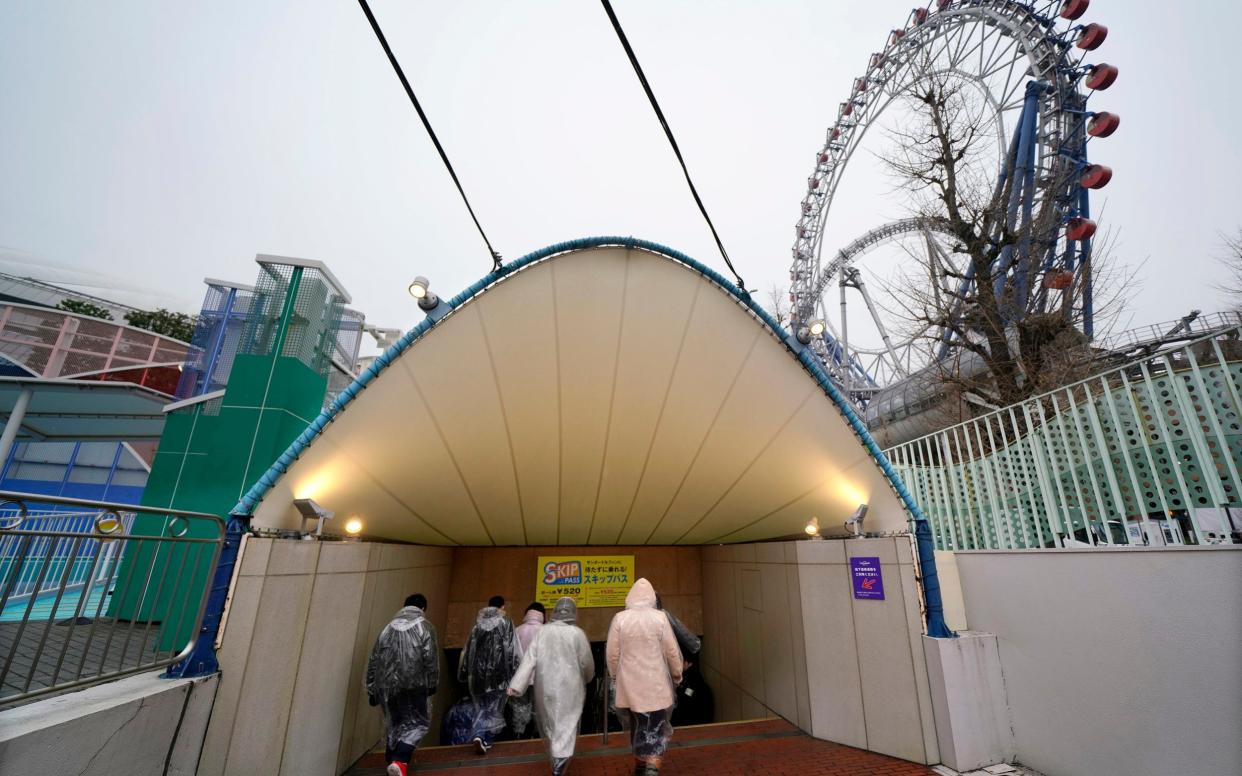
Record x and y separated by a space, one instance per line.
642 652
404 656
565 611
641 596
559 664
531 623
491 654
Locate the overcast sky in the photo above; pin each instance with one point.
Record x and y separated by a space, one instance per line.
150 144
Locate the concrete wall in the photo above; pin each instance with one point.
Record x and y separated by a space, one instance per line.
482 572
138 726
301 623
784 634
1116 661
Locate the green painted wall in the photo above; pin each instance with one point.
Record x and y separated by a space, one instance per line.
209 454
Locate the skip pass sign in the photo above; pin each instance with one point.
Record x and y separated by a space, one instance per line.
591 580
868 581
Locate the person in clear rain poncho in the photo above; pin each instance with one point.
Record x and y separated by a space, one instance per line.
644 658
694 698
402 675
521 707
488 662
559 663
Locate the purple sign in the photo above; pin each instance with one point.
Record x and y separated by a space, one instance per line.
868 582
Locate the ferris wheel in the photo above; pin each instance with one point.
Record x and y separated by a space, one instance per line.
1027 60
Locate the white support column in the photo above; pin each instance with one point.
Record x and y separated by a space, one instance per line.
14 423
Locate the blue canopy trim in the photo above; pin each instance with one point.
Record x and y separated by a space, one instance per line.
927 562
316 426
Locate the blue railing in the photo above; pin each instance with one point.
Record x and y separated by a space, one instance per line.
84 599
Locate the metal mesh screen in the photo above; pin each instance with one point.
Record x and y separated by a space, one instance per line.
222 323
344 367
53 343
264 319
313 324
349 337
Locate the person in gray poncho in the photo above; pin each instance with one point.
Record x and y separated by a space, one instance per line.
689 643
402 675
559 664
488 662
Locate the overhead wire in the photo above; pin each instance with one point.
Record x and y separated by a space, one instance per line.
642 78
409 91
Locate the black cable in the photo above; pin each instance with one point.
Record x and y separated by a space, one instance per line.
638 70
392 59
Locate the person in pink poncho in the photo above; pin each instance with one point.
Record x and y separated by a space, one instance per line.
521 707
646 662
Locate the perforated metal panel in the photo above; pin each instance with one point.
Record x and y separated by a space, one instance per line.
311 331
1157 440
218 337
55 343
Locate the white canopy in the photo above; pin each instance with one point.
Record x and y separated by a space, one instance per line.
610 395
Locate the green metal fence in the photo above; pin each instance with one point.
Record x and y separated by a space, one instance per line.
1145 454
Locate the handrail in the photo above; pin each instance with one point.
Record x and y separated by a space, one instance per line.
112 590
1132 364
1143 454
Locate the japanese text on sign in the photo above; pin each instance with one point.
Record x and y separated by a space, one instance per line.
591 580
868 580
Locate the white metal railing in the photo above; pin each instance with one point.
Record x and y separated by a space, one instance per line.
1181 328
99 592
1145 454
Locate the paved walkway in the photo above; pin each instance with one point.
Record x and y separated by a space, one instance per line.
768 747
42 653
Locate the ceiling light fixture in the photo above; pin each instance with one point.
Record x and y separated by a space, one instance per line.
353 527
812 528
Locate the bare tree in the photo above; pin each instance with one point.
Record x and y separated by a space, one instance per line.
1011 334
1232 260
778 303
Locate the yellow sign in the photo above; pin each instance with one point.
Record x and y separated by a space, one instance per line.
591 580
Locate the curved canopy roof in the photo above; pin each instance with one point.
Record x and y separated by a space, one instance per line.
604 391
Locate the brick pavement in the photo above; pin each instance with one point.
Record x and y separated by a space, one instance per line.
768 747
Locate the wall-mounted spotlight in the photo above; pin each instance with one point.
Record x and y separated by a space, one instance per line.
812 528
310 510
420 289
353 527
813 329
855 523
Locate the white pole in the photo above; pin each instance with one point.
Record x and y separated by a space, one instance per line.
845 329
14 423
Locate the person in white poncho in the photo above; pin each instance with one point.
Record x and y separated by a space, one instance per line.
559 664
